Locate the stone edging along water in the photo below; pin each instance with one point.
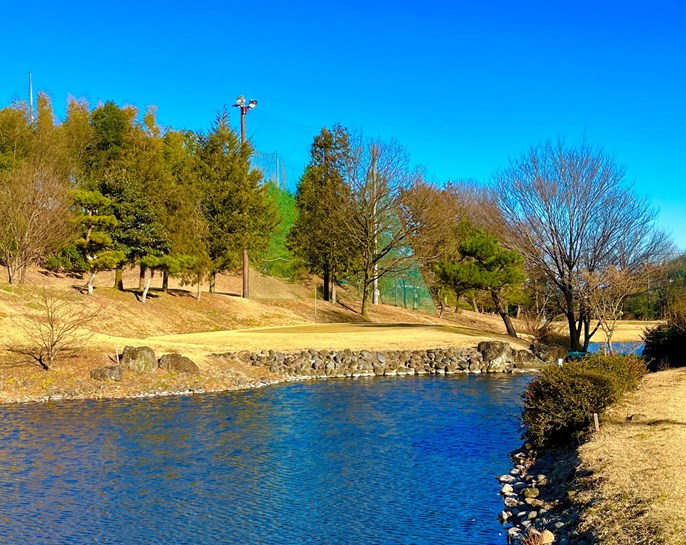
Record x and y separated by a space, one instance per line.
487 357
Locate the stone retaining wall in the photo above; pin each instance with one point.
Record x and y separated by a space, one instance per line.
487 357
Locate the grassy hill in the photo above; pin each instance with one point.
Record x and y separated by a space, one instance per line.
279 315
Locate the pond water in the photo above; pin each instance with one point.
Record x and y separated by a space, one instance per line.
619 348
369 461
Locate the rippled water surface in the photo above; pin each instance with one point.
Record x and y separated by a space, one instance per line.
407 461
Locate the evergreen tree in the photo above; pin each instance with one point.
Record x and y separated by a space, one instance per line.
485 265
320 236
234 203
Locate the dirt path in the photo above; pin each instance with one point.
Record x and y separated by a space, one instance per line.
639 463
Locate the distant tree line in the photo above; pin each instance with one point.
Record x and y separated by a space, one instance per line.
559 232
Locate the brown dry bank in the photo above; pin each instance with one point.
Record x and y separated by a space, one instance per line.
638 460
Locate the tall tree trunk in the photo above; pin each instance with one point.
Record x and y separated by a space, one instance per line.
197 295
91 282
326 292
365 294
502 311
213 282
118 279
141 277
333 284
573 332
165 281
147 286
246 274
475 307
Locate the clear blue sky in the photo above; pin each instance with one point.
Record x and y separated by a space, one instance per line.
462 85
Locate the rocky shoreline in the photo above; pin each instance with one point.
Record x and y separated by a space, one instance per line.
487 357
537 498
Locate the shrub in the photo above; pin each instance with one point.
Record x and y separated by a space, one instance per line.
665 344
625 372
559 404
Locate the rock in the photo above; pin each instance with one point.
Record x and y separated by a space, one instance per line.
510 502
177 363
534 502
503 516
547 537
507 489
497 355
140 359
531 492
542 480
110 372
506 479
549 354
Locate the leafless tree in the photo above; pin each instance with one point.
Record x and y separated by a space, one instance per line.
377 173
34 215
570 211
607 290
57 327
431 214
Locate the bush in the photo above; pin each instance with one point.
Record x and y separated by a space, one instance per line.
665 344
559 403
625 372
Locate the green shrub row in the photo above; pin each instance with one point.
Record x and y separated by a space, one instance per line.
560 402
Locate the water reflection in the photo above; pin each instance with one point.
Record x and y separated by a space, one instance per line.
353 461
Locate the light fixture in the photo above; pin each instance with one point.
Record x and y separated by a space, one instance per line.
252 103
240 100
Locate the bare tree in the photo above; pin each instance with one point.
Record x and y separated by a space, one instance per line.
34 215
570 211
377 173
56 328
607 290
431 214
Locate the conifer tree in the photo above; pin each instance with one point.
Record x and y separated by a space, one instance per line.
234 203
320 235
485 265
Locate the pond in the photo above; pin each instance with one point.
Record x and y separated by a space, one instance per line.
368 461
635 347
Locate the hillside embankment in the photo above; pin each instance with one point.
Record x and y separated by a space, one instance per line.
279 316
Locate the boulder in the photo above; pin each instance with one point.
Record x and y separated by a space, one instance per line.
497 355
140 359
177 363
548 353
110 372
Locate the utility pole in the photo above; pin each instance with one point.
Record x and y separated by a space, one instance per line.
375 291
31 116
245 108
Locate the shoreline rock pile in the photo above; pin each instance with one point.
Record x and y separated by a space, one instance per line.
536 504
487 357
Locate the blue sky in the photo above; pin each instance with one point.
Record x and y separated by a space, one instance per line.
462 85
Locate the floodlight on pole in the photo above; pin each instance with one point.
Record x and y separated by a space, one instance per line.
245 108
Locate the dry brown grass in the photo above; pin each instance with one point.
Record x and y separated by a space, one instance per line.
639 465
279 316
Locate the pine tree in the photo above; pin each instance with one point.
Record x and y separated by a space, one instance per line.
485 265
